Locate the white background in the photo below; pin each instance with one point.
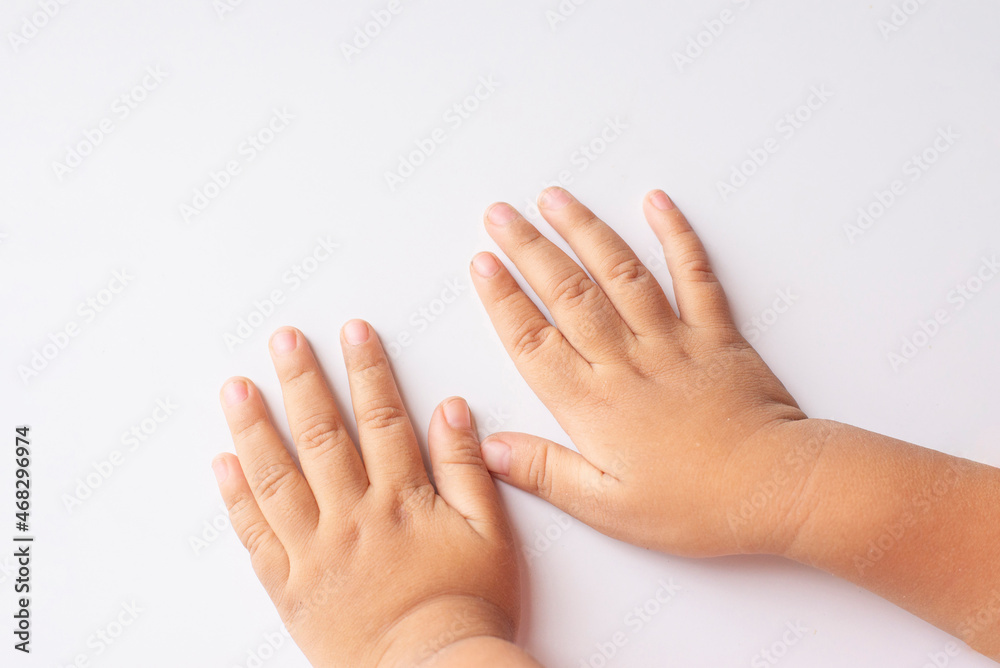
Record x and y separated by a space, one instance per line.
163 336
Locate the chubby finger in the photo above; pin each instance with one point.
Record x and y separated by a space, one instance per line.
388 444
267 554
459 472
550 471
550 365
277 484
631 287
329 459
578 305
701 300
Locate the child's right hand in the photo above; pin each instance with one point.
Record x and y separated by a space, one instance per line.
675 417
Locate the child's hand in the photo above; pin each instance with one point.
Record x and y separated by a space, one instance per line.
674 417
689 444
366 563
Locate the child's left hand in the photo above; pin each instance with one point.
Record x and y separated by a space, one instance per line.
367 564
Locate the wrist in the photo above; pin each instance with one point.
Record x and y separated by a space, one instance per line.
484 651
775 493
434 628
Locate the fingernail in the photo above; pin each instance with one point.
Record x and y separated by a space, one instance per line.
221 469
485 264
555 198
456 414
284 342
356 332
235 392
661 201
501 213
496 454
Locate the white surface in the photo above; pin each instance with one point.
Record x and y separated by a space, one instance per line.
163 336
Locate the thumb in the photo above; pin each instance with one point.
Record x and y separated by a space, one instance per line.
550 471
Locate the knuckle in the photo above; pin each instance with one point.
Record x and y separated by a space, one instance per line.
382 416
412 499
539 473
696 267
249 430
574 289
302 374
531 340
693 261
271 480
531 240
256 539
371 369
238 507
514 305
625 268
464 455
320 433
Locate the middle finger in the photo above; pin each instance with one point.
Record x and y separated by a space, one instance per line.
581 310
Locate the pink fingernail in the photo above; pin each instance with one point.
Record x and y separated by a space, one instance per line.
661 201
496 454
485 264
555 198
221 469
284 342
501 213
456 414
235 392
356 332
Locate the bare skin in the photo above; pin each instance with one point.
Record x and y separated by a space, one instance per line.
368 564
687 443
